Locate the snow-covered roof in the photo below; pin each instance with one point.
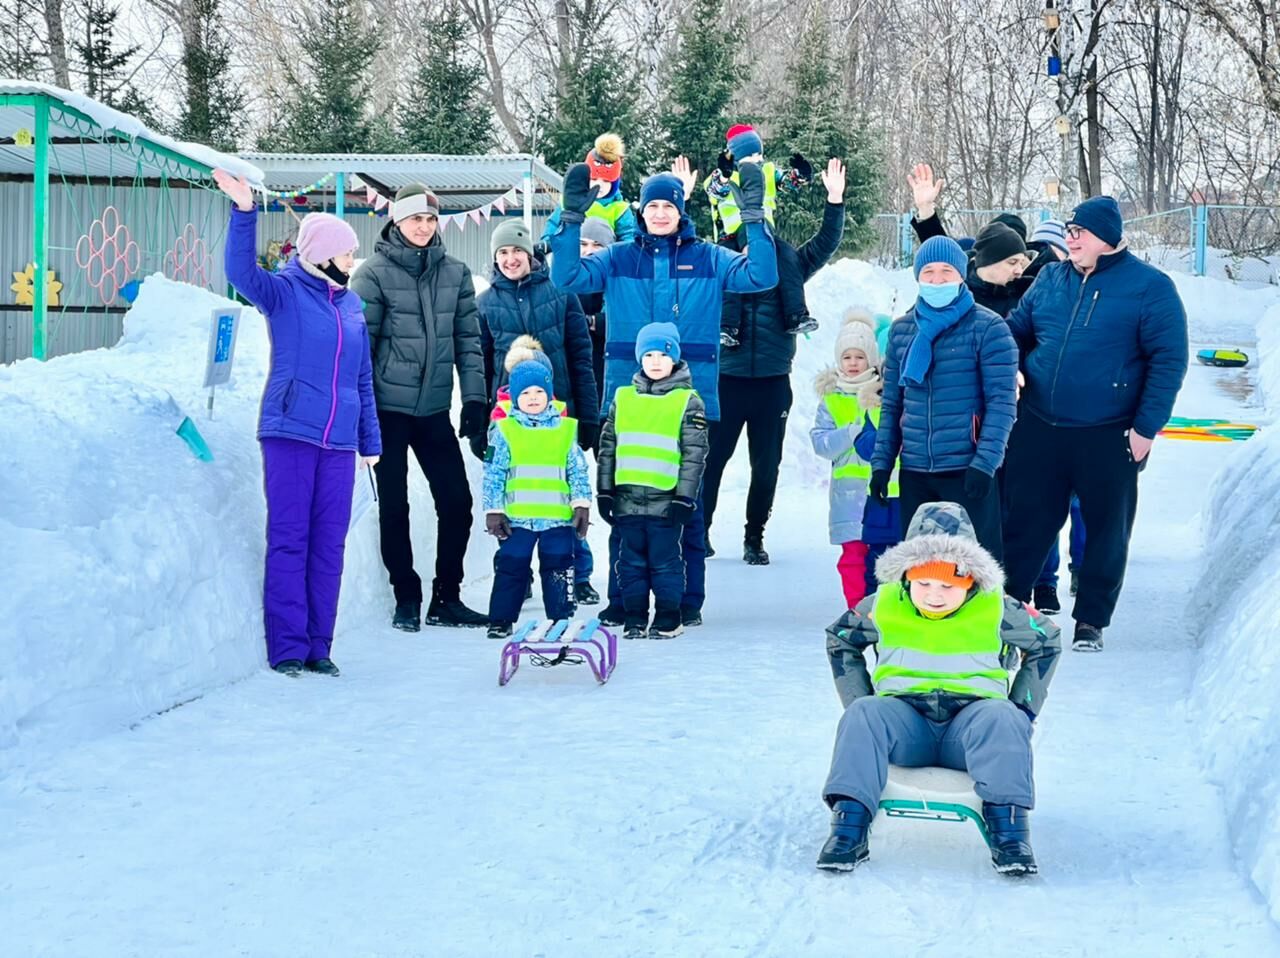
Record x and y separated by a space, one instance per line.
92 139
462 182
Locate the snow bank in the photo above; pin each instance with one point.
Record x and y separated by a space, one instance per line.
1238 607
133 570
1222 313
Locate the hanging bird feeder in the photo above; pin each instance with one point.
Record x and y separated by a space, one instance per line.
1050 16
1062 126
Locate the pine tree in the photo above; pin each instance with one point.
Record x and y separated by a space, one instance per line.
103 65
19 42
212 111
704 79
447 111
324 110
816 124
601 99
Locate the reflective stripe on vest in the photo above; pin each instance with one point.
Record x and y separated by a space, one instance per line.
726 208
610 212
648 437
846 410
959 654
538 482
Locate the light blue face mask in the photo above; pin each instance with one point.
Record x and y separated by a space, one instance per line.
939 295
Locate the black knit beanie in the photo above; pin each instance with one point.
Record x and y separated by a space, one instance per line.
996 243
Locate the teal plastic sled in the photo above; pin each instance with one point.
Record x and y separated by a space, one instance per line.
933 794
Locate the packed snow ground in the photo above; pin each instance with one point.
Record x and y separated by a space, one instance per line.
414 808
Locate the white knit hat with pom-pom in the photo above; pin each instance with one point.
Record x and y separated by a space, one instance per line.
858 331
523 349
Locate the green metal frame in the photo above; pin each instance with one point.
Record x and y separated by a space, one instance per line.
52 112
935 812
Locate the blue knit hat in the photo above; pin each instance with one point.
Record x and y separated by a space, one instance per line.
531 372
1100 215
1052 233
662 186
659 338
941 249
743 140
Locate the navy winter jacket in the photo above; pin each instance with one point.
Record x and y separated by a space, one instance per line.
1107 348
678 279
320 386
510 308
962 414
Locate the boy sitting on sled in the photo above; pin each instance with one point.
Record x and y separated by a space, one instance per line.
961 673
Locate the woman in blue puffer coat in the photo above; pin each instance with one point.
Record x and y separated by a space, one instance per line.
317 414
950 397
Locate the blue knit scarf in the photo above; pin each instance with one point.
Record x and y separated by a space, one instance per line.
930 324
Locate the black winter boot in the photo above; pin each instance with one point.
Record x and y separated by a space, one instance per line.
499 630
1009 830
323 667
408 617
585 594
612 615
666 624
800 323
690 618
289 667
753 551
451 613
1088 638
1075 581
1045 599
848 845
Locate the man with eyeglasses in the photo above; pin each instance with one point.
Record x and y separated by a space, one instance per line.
1103 338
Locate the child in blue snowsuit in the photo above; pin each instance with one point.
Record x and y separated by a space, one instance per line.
537 492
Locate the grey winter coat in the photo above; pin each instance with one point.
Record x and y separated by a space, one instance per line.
632 500
847 496
420 306
963 413
941 531
533 306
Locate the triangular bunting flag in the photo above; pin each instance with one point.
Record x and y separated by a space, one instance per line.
370 194
500 204
475 216
486 211
380 203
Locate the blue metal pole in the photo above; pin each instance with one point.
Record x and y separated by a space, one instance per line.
1202 238
340 188
904 239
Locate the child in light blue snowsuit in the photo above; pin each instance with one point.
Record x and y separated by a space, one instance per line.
537 492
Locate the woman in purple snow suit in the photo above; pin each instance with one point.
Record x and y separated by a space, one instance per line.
317 411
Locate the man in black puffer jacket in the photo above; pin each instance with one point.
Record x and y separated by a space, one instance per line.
755 378
420 306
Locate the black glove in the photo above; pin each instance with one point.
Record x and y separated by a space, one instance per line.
581 521
977 484
604 506
878 487
803 168
479 444
472 421
680 511
497 524
588 435
749 193
579 194
724 163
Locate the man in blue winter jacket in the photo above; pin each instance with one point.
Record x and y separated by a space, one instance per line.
1103 339
666 274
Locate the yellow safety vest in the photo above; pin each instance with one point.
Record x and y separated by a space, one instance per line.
846 410
648 437
538 480
959 654
725 208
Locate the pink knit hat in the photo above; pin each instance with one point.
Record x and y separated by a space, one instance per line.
322 236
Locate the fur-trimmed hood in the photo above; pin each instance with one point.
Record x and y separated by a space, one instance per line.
942 532
830 381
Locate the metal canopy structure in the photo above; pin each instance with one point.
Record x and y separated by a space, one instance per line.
91 171
462 182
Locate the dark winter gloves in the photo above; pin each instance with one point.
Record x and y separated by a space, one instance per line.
681 510
497 524
578 194
724 163
803 168
604 506
474 419
589 435
878 487
479 444
749 193
581 521
977 484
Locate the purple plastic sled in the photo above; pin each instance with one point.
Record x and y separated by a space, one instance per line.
573 642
